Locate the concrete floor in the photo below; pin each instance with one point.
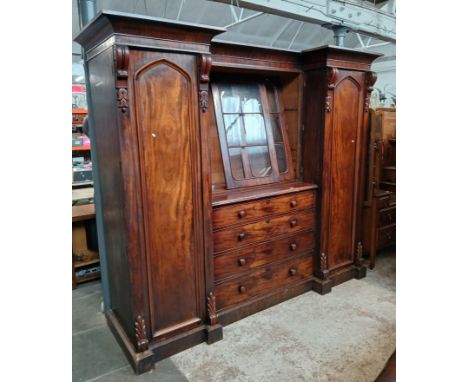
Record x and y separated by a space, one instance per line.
347 335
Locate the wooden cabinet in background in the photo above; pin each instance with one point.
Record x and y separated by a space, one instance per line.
232 176
380 207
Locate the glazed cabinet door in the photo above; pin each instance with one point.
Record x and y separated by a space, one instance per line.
164 90
344 144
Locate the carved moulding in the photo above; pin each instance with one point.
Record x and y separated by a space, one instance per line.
205 68
358 255
332 75
323 265
140 334
211 308
370 79
121 58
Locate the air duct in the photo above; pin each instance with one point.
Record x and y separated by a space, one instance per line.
86 10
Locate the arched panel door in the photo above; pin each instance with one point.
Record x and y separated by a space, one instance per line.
169 158
344 177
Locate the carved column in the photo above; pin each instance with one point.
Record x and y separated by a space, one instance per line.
358 255
211 308
205 68
370 79
121 58
332 75
140 334
324 266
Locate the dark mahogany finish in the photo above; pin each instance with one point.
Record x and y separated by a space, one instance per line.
185 253
380 207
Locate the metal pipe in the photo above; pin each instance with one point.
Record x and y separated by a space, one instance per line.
339 34
86 10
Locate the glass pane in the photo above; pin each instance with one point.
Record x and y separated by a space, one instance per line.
272 98
260 163
237 169
250 98
276 127
255 133
230 98
281 158
232 124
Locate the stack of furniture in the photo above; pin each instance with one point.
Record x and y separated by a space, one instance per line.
232 176
85 256
380 205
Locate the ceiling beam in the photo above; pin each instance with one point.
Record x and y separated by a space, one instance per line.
358 17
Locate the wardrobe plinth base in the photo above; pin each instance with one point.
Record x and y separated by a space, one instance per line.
214 333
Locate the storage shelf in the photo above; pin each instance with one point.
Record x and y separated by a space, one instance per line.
81 148
94 276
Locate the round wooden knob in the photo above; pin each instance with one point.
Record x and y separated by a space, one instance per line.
292 271
292 246
241 214
293 203
242 289
241 236
242 262
293 223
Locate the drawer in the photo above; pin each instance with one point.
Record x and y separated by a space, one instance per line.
263 280
253 256
386 236
387 216
243 212
386 201
267 228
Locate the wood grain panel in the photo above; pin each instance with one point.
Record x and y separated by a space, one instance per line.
242 235
343 177
164 96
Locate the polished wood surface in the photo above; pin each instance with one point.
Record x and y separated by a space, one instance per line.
244 212
263 280
380 209
238 236
344 149
185 254
165 93
256 255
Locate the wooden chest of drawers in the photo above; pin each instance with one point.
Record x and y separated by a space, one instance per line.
262 246
380 223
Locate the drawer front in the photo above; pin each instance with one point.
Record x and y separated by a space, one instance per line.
242 260
264 229
244 212
386 236
385 202
387 216
263 280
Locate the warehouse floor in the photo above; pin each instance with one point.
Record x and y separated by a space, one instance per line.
346 335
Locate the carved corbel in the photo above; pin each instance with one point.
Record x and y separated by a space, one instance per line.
323 265
358 255
121 58
211 308
140 334
370 79
332 75
205 68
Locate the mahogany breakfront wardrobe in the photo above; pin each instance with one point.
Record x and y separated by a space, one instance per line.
232 176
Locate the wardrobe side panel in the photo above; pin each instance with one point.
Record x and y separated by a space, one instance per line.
107 148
